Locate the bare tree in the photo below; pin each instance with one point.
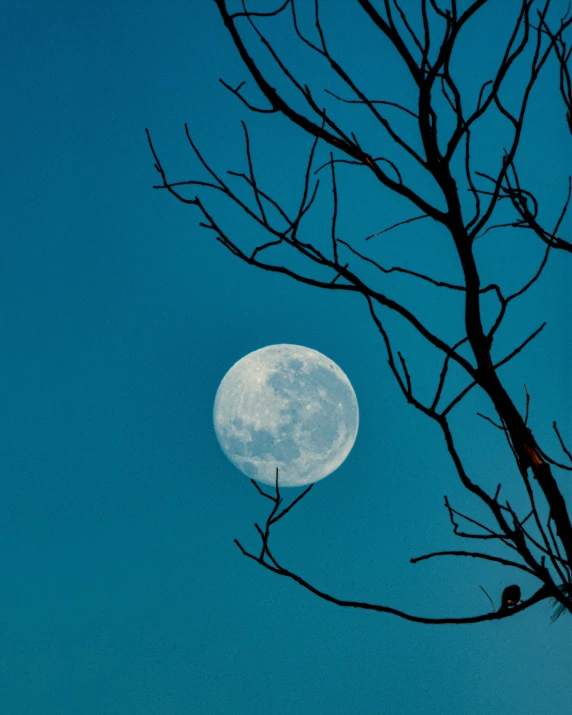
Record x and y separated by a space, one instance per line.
444 120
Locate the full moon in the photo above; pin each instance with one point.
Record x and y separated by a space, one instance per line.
289 407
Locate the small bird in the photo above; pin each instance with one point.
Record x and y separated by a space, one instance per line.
510 597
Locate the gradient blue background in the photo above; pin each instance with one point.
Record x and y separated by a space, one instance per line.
122 590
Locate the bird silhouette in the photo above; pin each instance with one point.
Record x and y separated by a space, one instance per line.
510 597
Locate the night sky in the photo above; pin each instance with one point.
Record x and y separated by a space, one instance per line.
122 589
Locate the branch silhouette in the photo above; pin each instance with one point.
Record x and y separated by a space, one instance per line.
268 560
434 134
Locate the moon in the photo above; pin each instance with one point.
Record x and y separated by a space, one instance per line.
286 406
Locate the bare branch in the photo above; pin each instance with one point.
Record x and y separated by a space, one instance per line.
444 122
335 213
373 101
490 599
490 534
395 225
236 92
488 419
397 269
539 595
261 14
475 555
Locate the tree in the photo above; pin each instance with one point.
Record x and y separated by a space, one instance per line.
435 134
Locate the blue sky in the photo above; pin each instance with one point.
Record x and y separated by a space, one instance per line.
123 591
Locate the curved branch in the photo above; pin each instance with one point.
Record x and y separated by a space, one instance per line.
476 555
539 595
